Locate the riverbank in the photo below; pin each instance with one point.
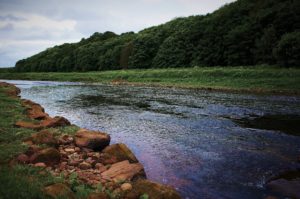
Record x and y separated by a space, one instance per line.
44 157
256 79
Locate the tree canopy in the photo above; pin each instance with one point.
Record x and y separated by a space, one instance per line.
245 32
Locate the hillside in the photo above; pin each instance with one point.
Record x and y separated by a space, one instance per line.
246 32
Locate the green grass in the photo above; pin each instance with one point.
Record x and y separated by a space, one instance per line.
256 78
20 181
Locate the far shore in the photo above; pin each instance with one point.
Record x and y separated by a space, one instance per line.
255 79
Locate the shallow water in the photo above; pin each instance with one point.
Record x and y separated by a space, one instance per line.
186 138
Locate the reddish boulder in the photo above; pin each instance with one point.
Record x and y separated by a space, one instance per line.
11 89
55 122
121 152
43 137
95 140
34 110
49 156
152 189
85 166
23 158
59 190
124 171
28 125
98 196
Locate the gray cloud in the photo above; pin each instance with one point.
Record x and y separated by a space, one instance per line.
30 26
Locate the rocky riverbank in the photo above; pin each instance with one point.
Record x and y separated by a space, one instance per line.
83 158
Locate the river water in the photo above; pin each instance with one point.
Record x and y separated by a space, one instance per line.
184 138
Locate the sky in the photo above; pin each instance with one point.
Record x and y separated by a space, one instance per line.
30 26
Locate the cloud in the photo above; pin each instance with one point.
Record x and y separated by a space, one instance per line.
30 26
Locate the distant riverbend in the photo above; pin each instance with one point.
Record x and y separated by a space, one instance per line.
201 142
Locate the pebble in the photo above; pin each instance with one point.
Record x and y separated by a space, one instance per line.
40 164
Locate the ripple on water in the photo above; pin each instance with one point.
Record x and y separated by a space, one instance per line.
193 140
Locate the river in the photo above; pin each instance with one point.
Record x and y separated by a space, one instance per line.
185 138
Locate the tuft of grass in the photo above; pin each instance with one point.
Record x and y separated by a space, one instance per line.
251 78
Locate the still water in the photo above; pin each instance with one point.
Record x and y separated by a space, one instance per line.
185 138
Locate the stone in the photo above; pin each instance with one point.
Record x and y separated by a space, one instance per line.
49 156
121 152
23 158
152 189
73 163
59 190
12 90
34 110
100 167
28 125
95 140
124 171
126 187
55 122
287 188
70 150
65 139
77 149
47 123
98 196
43 137
40 164
85 165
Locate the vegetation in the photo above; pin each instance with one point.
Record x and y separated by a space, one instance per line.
23 181
245 32
259 78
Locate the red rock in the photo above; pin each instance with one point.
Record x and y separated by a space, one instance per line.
43 137
73 163
63 165
28 125
55 122
126 187
153 190
34 111
40 164
124 171
49 156
100 167
65 139
98 196
32 150
95 140
121 152
59 190
85 165
23 158
11 90
70 150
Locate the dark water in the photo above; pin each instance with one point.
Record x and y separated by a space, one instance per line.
186 138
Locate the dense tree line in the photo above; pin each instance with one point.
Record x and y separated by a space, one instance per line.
245 32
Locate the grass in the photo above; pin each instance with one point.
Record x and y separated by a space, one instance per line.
255 78
21 181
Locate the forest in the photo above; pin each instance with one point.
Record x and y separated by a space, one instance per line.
242 33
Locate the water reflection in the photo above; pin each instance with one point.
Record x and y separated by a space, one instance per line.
186 138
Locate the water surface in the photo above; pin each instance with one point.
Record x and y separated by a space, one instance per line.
186 138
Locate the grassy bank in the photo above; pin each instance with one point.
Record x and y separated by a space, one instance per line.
19 180
256 79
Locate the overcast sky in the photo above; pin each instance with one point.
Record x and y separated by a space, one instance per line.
30 26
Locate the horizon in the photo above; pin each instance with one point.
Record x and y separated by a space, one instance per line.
28 27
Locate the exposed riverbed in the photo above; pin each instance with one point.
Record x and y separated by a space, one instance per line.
206 144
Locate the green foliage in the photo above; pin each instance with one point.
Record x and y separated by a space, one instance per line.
288 50
144 196
245 32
